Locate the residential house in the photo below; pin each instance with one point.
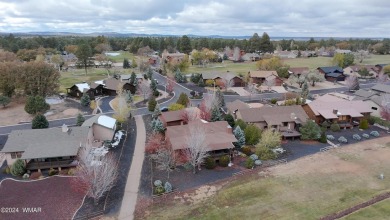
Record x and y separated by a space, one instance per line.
337 110
285 119
57 147
297 71
308 53
47 148
154 60
354 71
332 73
251 57
236 105
173 57
180 117
381 88
78 89
219 137
112 85
127 77
287 54
221 79
372 99
260 76
380 67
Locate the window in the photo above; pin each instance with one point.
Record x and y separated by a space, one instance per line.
15 155
374 108
285 124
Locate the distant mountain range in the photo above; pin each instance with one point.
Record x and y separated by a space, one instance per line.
115 34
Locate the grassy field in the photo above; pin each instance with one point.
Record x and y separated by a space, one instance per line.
121 56
377 211
308 188
312 62
239 68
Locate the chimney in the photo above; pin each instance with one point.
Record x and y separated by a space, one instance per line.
335 111
229 129
65 128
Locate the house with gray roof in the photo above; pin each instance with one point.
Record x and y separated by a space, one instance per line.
332 73
381 88
285 119
57 147
220 79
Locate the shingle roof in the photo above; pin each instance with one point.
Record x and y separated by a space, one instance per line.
262 73
102 120
273 115
177 115
112 84
46 143
343 107
364 93
236 104
381 88
331 69
228 75
299 70
218 135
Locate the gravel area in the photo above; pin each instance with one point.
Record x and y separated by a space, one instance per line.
348 133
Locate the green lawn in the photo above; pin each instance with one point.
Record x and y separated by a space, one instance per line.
238 68
312 62
377 211
121 56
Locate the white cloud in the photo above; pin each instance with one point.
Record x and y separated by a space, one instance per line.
348 18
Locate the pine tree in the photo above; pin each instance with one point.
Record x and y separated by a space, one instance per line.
80 119
220 98
18 168
36 104
85 100
39 121
128 97
305 92
152 104
157 111
157 126
153 85
150 73
183 99
239 134
179 77
230 119
216 114
201 83
133 79
126 63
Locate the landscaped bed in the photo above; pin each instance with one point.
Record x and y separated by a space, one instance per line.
50 198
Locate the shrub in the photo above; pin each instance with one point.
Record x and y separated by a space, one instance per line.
85 100
156 93
224 161
209 82
246 150
210 163
35 175
192 93
80 119
330 137
39 121
92 105
53 172
230 120
252 134
4 100
363 124
265 153
152 104
157 126
366 135
168 187
240 123
183 99
258 162
356 137
26 176
322 138
157 183
371 120
18 168
374 133
159 190
6 170
335 127
310 131
325 124
201 83
249 163
274 101
254 157
342 139
71 172
175 107
36 104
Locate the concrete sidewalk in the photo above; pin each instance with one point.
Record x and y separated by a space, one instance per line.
133 179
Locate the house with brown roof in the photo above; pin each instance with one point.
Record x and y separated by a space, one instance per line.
371 98
173 57
112 85
219 136
286 119
260 76
297 71
221 79
354 71
337 110
287 54
236 105
179 117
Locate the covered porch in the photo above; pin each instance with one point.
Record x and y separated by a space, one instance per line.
48 163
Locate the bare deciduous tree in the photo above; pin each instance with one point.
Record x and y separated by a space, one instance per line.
237 54
123 108
144 89
352 82
208 103
385 107
97 176
300 80
189 114
197 148
165 158
269 82
315 76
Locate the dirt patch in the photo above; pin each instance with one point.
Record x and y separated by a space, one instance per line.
14 113
199 195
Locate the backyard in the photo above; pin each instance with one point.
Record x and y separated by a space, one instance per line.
307 188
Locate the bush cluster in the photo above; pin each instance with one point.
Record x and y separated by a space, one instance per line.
366 135
249 163
210 163
246 150
374 133
335 127
356 137
265 153
224 161
342 139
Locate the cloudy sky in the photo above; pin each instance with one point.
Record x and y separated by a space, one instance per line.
284 18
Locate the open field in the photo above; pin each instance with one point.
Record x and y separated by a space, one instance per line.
238 68
312 62
119 58
307 188
377 211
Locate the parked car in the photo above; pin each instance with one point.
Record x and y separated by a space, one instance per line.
164 109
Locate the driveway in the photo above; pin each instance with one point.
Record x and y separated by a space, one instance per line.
240 90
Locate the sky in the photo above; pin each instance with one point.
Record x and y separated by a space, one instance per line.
279 18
